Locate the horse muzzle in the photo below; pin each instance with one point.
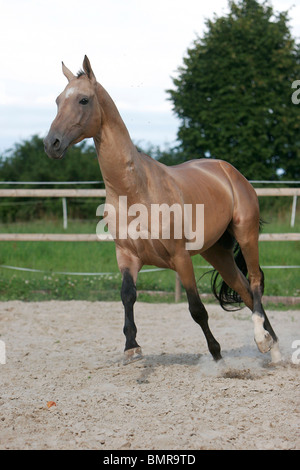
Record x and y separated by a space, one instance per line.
55 146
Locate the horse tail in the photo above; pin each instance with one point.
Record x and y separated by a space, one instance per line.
223 293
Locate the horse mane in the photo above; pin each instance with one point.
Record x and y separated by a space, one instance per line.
80 73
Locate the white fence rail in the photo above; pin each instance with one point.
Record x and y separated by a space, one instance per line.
89 237
101 193
54 192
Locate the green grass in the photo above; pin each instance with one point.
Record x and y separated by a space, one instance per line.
99 257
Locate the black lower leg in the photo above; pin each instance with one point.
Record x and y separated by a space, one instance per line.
200 316
128 296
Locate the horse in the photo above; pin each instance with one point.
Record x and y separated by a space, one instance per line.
229 202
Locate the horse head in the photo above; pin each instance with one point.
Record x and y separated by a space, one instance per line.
78 112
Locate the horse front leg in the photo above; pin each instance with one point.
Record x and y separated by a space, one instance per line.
129 266
133 351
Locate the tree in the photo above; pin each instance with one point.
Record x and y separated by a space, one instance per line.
233 93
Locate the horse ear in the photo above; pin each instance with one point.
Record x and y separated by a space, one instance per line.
88 69
67 73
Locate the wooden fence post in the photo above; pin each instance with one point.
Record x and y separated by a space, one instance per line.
294 210
65 212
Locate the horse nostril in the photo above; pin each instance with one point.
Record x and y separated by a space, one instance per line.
56 144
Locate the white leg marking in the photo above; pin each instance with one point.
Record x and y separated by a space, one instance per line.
262 338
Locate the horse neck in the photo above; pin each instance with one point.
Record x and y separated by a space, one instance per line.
118 157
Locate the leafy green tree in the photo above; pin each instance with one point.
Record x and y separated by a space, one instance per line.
233 93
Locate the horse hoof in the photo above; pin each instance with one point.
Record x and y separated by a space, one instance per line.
217 357
132 355
265 342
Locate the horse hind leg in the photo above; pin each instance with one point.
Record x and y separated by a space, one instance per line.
185 270
222 259
200 316
264 335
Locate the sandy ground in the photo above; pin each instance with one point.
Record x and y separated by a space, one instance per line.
175 398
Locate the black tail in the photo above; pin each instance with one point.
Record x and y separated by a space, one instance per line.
223 293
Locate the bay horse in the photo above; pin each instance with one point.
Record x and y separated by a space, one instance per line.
231 211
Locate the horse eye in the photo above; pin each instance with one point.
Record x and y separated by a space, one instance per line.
84 101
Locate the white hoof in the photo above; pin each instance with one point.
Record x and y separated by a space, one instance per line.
262 337
264 342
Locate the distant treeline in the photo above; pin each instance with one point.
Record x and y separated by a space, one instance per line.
27 161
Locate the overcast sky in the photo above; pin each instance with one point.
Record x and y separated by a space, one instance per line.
134 46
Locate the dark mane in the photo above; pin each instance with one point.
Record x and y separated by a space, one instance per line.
80 73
